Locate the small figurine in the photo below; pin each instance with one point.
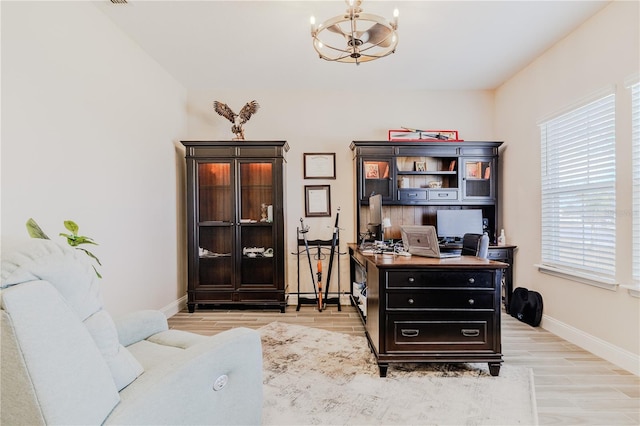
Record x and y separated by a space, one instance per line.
238 120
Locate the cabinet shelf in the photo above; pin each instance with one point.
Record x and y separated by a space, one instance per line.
434 172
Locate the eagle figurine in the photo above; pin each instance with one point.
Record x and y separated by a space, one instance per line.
237 119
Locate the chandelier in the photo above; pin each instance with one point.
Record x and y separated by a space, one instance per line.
355 37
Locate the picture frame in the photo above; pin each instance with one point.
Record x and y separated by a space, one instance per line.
319 165
317 200
421 166
371 171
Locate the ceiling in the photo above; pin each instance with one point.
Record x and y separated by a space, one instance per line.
443 45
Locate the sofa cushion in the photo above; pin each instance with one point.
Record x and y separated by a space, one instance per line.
67 269
124 367
70 378
158 348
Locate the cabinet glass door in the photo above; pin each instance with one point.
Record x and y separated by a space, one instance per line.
214 224
377 178
256 224
477 178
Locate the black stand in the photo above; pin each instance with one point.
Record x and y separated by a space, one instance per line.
325 249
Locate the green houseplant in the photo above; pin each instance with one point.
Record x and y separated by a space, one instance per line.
73 239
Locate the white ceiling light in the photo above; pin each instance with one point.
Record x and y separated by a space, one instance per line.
355 37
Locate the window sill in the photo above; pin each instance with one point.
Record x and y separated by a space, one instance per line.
568 274
633 290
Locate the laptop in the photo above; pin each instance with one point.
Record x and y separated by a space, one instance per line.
423 241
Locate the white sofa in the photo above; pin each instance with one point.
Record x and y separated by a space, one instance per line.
65 361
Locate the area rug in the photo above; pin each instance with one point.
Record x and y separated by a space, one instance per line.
318 377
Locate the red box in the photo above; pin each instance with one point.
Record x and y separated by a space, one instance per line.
424 136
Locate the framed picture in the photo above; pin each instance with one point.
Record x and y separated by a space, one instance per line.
371 171
473 169
319 165
421 166
317 200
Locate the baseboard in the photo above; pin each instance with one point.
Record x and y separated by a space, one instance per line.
618 356
173 308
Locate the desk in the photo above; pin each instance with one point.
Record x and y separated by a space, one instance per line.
419 309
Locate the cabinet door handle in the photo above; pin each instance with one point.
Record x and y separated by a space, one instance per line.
471 301
409 333
472 280
410 301
468 332
411 280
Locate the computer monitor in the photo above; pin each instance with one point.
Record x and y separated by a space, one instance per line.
374 227
453 224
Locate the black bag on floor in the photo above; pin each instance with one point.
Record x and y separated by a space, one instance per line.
526 305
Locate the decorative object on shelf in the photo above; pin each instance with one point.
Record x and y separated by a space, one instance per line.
317 200
413 135
263 212
372 171
238 120
421 166
354 37
319 165
73 239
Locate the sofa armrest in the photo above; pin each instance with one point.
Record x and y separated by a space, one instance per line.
137 326
182 391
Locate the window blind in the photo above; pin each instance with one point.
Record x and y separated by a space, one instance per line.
635 126
578 190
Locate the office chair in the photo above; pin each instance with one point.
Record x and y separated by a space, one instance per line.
475 245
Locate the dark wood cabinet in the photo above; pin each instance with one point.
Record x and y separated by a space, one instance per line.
421 309
235 213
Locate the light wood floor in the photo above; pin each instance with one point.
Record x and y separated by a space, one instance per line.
573 387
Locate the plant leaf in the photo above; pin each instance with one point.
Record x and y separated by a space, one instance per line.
91 255
35 231
71 226
71 239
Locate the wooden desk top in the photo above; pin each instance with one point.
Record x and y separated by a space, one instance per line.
395 261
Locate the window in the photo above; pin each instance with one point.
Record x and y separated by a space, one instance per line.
578 193
635 123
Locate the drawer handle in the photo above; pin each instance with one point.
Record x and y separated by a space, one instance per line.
411 280
443 194
412 195
410 301
467 332
471 301
409 333
472 280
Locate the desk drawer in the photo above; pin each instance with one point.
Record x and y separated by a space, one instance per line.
441 299
498 254
411 334
412 195
421 279
443 195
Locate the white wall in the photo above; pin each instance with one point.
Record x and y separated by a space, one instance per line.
602 52
327 121
90 126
